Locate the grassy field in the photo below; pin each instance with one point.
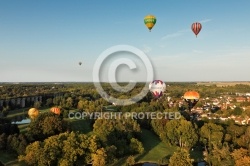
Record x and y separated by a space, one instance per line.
10 159
23 111
220 84
81 125
23 127
155 149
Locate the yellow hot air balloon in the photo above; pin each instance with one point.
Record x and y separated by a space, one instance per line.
150 21
33 113
55 110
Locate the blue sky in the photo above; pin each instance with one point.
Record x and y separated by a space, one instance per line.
45 40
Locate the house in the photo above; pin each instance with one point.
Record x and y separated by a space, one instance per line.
248 99
240 99
239 94
203 115
232 117
198 110
231 106
242 121
223 119
238 120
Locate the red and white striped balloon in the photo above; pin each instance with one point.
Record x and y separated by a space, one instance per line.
196 28
55 110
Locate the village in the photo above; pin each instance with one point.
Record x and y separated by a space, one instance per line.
223 108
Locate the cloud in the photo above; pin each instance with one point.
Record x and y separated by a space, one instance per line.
206 20
173 35
176 34
181 32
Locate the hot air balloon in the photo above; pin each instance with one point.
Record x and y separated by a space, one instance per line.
55 110
191 97
150 21
157 87
80 63
196 28
33 113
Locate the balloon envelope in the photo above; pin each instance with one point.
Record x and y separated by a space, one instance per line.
157 87
150 21
33 113
55 110
196 28
80 63
192 95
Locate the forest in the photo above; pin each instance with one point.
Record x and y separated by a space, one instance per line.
56 139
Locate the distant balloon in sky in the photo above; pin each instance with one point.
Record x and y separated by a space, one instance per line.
196 28
191 97
33 113
150 21
55 110
80 63
157 87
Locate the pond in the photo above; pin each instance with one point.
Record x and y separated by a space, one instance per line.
20 119
23 121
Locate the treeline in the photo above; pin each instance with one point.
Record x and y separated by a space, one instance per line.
49 140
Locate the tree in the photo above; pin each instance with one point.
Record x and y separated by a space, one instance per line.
211 134
63 149
237 111
16 143
37 104
159 125
241 157
219 156
130 160
235 131
136 146
244 161
121 130
180 158
69 102
180 132
3 141
45 125
111 152
49 102
32 154
99 158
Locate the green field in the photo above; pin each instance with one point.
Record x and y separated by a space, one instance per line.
81 125
155 150
221 84
10 160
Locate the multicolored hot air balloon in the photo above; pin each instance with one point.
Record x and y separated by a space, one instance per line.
196 28
33 113
150 21
157 87
191 97
55 110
